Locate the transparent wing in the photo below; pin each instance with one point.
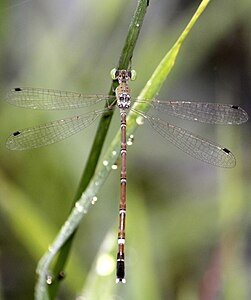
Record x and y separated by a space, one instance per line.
193 145
50 133
214 113
37 98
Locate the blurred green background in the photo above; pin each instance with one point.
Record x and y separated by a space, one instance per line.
188 224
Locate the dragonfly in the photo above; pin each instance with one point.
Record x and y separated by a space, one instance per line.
55 131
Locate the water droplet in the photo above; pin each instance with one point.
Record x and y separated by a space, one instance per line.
114 152
94 199
51 249
130 140
79 206
61 275
137 25
49 279
105 162
140 120
114 167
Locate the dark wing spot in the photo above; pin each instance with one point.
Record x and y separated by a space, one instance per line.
16 133
226 150
235 106
18 89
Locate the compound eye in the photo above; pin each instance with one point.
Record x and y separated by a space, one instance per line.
114 73
133 74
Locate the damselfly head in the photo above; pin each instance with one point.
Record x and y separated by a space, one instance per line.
123 75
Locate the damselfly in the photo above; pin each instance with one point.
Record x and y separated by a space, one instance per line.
55 131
